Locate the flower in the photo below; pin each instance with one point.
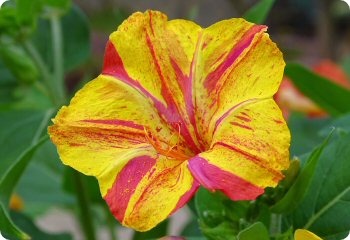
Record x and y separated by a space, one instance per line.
302 234
176 107
290 99
16 202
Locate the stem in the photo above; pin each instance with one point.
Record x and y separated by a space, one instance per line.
111 224
42 126
57 47
83 203
44 71
275 224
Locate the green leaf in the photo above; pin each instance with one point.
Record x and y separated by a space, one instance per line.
345 63
259 12
222 231
8 21
210 207
18 129
11 177
256 231
7 185
182 238
76 39
7 85
325 210
219 217
15 95
305 132
28 12
302 183
35 233
329 96
19 139
341 124
41 192
7 227
18 62
155 233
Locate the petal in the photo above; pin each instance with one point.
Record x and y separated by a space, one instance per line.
238 63
249 150
154 56
148 190
289 99
329 69
104 127
302 234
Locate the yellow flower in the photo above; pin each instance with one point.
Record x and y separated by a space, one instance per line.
302 234
16 202
177 106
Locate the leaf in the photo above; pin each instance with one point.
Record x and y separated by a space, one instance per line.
8 23
19 139
256 231
76 39
219 217
41 192
7 227
18 62
209 207
181 238
259 12
329 96
11 177
345 63
7 185
305 132
302 183
35 233
18 128
325 210
15 95
341 124
28 12
222 231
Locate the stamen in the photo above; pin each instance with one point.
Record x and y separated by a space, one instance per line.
169 152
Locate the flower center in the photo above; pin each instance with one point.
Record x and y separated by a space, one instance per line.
169 149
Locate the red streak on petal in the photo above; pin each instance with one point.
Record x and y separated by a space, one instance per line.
125 184
261 163
186 85
278 121
241 125
116 122
150 22
228 113
114 66
214 178
244 43
172 106
244 118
